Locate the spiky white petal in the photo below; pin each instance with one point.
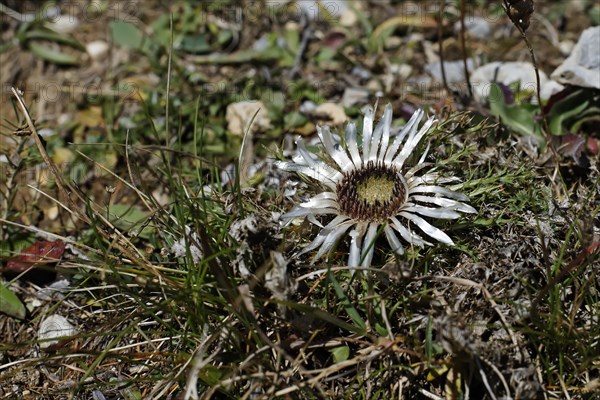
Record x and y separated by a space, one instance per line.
394 241
387 126
442 213
431 178
439 190
381 135
338 155
356 236
317 164
442 202
407 235
411 143
351 144
322 200
412 122
332 238
319 173
427 228
320 239
367 131
303 212
369 245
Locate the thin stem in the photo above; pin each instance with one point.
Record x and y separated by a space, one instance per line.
170 60
519 26
464 46
441 47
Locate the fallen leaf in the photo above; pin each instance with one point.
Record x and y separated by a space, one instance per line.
571 145
40 253
333 113
63 156
592 145
334 40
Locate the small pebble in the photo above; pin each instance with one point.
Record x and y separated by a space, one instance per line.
97 49
54 326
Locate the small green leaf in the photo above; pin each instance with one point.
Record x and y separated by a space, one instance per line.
294 119
352 312
126 217
380 329
126 34
588 116
557 123
196 44
127 213
210 375
594 15
131 393
567 111
270 54
340 353
520 118
51 36
292 39
324 316
224 37
10 303
326 54
52 55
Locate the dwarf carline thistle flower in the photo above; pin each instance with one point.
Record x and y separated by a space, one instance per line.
372 189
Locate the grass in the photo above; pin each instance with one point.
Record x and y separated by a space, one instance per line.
181 282
336 324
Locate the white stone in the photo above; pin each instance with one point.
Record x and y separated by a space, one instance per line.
334 112
403 70
54 326
96 49
307 107
354 96
566 47
477 27
508 73
64 23
239 116
455 70
348 18
582 67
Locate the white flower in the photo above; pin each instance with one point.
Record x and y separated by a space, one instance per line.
373 190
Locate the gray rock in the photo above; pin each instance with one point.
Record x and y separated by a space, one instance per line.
507 73
477 27
354 96
582 67
455 70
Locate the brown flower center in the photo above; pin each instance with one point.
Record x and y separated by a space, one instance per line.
372 193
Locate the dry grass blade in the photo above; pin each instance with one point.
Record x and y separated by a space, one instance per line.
109 233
